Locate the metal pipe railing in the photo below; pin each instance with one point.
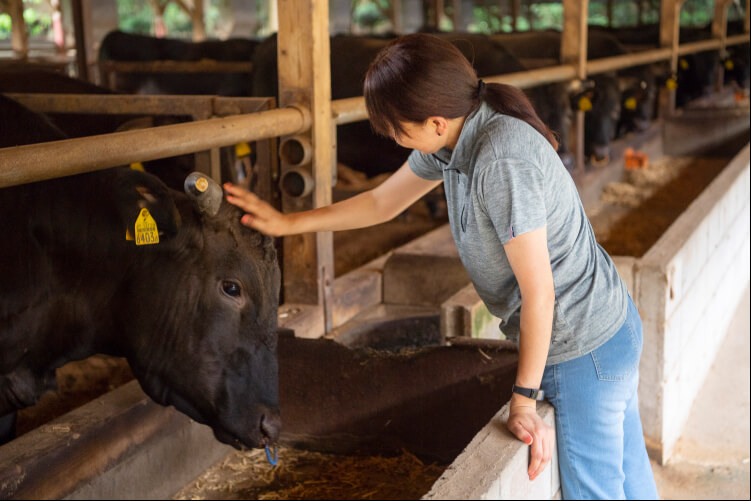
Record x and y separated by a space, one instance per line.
627 60
25 164
353 109
200 107
43 161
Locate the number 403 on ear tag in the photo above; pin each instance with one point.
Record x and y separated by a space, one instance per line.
146 230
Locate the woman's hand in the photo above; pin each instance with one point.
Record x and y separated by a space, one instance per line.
526 424
260 215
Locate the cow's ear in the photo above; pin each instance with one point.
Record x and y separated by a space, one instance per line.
146 207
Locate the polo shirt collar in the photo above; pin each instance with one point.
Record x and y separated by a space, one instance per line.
460 158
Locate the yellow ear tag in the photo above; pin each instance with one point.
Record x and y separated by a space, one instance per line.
242 149
683 63
137 166
585 104
630 103
729 64
146 230
671 84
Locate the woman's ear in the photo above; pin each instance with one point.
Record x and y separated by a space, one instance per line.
438 124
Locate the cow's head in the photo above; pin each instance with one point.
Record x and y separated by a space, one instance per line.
602 120
198 314
638 99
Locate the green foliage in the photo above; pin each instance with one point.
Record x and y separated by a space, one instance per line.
137 16
38 21
697 12
369 14
4 26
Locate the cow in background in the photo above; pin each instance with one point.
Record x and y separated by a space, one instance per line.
121 46
621 101
194 314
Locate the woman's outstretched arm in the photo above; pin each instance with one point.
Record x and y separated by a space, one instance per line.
375 206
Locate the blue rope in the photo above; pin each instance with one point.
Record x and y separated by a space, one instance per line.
276 455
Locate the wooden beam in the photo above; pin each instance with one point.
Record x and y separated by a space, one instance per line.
514 13
574 52
670 19
305 79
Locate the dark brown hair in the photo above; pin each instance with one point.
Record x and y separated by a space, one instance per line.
420 75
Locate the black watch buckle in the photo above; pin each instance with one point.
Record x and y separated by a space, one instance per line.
534 394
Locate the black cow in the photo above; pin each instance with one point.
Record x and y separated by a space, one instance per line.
121 46
194 314
697 72
622 101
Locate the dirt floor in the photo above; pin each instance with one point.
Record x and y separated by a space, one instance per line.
632 214
311 475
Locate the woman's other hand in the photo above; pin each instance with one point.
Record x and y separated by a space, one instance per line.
259 215
528 426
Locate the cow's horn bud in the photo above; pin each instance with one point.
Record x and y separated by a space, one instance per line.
206 193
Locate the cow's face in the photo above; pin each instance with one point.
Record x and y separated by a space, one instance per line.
601 122
200 314
638 97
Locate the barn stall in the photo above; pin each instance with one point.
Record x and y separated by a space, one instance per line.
380 300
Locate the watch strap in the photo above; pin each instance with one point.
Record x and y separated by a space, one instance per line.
534 394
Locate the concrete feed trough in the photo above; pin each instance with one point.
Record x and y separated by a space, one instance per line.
686 288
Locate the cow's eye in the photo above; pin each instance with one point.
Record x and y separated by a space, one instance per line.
232 289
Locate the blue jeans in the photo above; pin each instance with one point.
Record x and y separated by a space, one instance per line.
601 450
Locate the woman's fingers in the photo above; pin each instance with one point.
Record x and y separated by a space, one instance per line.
533 431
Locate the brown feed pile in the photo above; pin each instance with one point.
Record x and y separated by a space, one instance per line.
634 213
311 475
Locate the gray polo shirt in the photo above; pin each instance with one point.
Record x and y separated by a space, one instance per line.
504 179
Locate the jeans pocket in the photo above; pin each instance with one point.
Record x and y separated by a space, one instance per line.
619 357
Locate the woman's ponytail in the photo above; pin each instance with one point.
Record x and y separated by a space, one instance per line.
511 101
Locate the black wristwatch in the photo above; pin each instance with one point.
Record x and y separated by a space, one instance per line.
528 392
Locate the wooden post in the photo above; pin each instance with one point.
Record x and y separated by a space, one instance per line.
19 35
514 13
305 81
609 10
397 24
719 30
746 23
457 11
439 12
670 19
80 36
574 52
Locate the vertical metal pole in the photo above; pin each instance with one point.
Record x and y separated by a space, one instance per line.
574 51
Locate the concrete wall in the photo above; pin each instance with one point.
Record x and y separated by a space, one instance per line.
686 288
494 466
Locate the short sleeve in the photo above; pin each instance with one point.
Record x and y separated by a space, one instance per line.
425 166
512 191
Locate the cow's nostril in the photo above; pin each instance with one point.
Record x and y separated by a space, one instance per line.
270 425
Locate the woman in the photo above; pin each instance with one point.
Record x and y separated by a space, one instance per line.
527 245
